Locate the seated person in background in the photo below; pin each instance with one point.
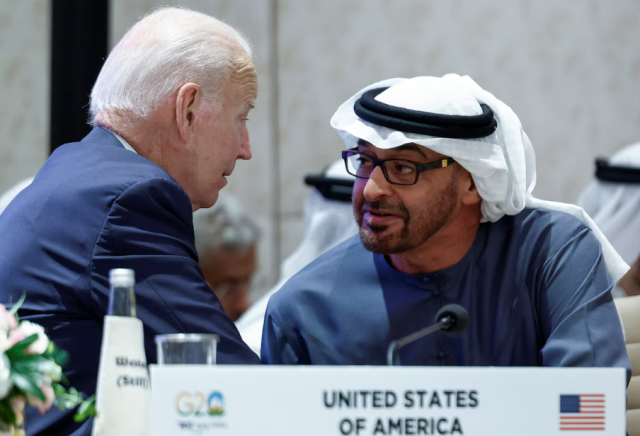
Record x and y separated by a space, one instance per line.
169 110
226 239
442 197
328 220
613 201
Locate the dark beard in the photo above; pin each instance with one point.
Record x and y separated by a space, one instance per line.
419 226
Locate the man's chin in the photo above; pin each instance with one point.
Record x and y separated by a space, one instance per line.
378 242
210 200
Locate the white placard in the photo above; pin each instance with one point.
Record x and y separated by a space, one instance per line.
194 400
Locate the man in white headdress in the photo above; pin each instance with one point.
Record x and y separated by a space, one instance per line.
328 221
613 200
445 211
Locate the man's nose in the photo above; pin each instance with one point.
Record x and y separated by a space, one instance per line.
245 147
377 186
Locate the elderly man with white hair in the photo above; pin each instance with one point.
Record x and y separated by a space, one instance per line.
169 110
444 175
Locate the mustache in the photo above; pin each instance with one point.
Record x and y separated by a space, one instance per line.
395 208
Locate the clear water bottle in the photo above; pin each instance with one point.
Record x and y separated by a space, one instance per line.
122 297
123 394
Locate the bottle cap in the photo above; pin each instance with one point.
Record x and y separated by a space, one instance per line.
122 277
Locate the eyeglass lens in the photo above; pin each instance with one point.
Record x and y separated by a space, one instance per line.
397 171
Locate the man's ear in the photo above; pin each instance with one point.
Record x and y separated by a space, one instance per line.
188 102
470 193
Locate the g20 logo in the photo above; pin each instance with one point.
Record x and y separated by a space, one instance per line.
198 404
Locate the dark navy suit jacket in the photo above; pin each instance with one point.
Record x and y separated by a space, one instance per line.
92 207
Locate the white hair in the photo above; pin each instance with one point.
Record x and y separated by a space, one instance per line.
225 226
160 53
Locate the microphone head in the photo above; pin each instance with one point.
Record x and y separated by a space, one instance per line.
458 315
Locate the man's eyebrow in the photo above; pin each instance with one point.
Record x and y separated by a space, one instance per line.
413 147
363 143
406 147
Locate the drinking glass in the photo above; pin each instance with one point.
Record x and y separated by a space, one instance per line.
187 349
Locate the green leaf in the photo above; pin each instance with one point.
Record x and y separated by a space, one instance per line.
26 385
50 351
60 357
14 309
58 389
67 401
7 415
35 364
86 410
17 351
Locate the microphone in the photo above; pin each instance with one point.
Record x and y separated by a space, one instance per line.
452 319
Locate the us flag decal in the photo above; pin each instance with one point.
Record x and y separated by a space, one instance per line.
582 412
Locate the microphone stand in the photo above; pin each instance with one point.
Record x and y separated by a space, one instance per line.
392 352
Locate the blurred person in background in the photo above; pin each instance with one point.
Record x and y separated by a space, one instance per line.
613 201
226 239
169 110
328 221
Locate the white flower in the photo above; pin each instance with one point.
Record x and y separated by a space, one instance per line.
5 371
41 344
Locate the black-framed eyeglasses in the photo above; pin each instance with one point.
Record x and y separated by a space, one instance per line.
396 171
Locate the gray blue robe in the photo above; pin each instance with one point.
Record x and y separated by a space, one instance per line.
535 285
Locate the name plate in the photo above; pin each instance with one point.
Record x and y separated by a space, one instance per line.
324 401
